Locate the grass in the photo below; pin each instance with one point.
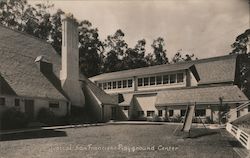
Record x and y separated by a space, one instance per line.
120 141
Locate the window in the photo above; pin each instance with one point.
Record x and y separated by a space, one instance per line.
119 84
126 108
165 79
140 113
159 113
104 86
150 113
173 78
130 83
2 101
139 82
54 104
179 77
100 85
200 112
124 82
158 80
248 108
171 113
183 112
145 81
152 80
238 113
114 85
17 102
109 85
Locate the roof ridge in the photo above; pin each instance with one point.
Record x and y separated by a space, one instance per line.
179 63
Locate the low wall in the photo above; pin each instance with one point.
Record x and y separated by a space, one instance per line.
240 135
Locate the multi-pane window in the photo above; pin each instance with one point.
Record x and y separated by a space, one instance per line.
152 80
104 86
145 81
2 101
165 79
200 112
119 84
158 80
159 113
150 113
114 85
124 84
109 85
173 78
139 82
54 104
171 113
180 77
17 102
130 82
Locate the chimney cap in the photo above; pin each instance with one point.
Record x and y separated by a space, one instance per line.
68 17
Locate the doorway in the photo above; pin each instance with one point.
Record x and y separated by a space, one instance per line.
29 108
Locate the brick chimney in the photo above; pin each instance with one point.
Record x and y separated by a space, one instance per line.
69 74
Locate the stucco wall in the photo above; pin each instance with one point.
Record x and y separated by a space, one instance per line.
38 104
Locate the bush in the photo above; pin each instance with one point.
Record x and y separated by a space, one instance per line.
46 116
11 118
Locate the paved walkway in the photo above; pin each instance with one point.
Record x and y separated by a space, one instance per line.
196 125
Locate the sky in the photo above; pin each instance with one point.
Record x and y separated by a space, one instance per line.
205 28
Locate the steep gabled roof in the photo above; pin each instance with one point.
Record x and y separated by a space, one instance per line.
18 52
211 70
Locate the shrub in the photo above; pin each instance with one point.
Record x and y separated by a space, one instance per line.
11 118
46 116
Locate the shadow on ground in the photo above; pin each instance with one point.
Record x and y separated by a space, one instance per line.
33 135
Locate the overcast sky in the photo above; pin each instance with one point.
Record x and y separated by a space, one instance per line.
204 27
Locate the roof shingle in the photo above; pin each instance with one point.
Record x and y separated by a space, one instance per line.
18 52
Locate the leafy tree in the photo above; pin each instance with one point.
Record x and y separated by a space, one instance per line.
115 46
179 58
240 47
135 57
91 49
159 52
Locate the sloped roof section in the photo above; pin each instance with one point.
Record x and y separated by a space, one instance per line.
101 95
200 95
128 97
142 71
18 52
211 70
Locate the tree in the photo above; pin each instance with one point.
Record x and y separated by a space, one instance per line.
159 52
135 57
115 47
240 47
91 49
179 58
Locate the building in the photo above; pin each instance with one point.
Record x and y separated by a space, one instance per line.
33 75
164 91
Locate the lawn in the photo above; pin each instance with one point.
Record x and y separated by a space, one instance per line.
120 141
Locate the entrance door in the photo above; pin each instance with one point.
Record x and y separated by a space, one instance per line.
29 108
113 113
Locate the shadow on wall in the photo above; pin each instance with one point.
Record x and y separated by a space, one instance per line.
33 135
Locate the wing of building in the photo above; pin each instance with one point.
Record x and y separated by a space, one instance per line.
164 91
34 76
